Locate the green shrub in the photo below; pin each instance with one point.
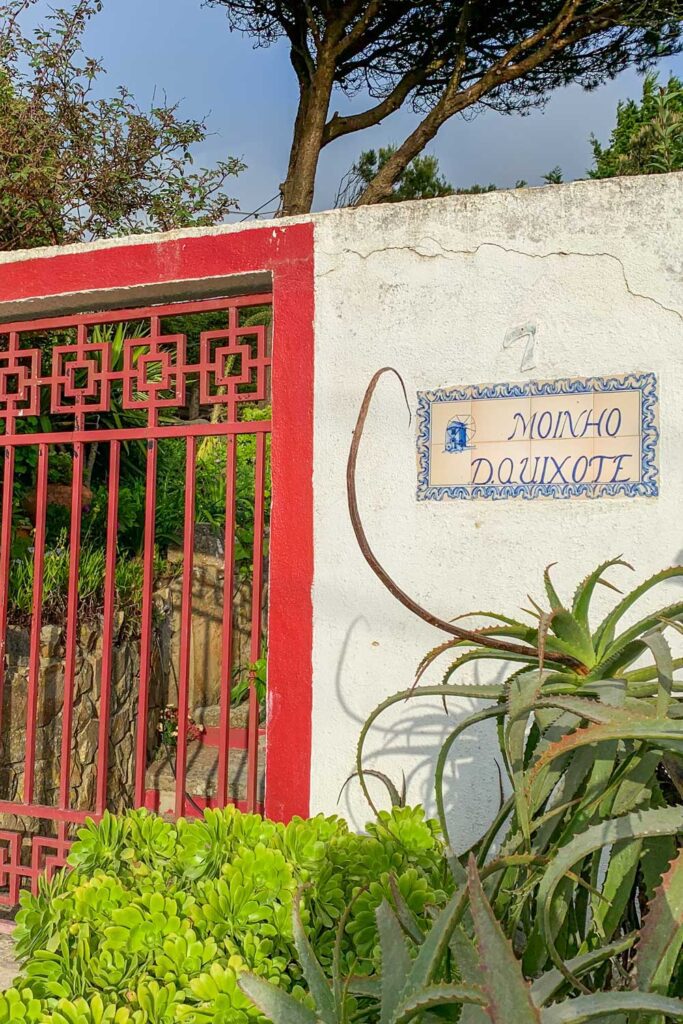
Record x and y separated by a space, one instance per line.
91 580
156 921
210 493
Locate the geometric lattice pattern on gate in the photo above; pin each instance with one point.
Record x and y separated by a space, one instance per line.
47 855
152 375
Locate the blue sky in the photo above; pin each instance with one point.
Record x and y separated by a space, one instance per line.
186 50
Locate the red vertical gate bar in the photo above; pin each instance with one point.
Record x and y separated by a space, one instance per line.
71 621
228 587
36 623
5 557
185 627
147 616
256 622
108 627
6 535
146 628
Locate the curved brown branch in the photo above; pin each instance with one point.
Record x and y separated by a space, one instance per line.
393 588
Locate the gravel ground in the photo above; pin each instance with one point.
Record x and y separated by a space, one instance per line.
8 965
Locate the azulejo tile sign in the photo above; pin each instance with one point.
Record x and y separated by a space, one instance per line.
585 437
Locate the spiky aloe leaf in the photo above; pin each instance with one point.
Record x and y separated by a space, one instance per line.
649 672
617 887
431 656
604 634
529 634
658 852
553 597
662 733
625 858
486 654
397 799
406 917
572 635
508 994
606 1004
592 709
584 592
664 664
637 825
549 984
432 950
274 1002
505 628
549 764
438 995
370 987
467 963
564 779
455 867
575 637
317 982
522 696
661 935
616 663
653 621
396 961
486 691
604 760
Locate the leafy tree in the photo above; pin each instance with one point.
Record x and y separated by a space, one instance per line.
441 59
421 179
648 136
554 176
75 167
477 190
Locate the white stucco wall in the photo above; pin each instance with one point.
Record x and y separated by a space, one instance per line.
432 288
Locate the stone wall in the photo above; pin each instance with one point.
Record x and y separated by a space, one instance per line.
207 630
206 658
87 681
205 690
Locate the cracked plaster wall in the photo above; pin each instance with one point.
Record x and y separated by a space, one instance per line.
432 289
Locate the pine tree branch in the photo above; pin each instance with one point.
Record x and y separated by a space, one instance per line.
535 50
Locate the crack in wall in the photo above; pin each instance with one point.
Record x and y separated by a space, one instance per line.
445 251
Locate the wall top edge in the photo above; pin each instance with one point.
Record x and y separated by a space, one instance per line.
627 189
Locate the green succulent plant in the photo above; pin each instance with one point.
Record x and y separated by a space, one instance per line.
93 1011
19 1006
157 919
466 961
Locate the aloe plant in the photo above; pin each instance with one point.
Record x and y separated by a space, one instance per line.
590 726
605 651
466 960
581 746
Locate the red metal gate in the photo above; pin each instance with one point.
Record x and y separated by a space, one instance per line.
88 390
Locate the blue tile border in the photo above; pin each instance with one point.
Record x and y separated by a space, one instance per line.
647 486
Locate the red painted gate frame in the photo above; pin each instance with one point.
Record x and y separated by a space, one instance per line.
287 254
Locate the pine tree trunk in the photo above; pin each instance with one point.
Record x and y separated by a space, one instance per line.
314 103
